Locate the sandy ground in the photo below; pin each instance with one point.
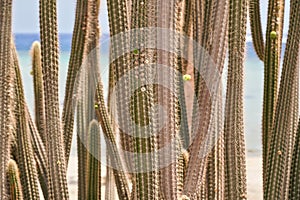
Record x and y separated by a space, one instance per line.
254 177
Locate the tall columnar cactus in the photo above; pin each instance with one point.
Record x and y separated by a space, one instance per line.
24 154
279 149
57 183
294 192
14 181
271 72
210 27
5 91
75 62
235 166
94 166
38 90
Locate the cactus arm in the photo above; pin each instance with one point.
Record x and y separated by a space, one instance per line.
39 154
235 163
76 58
14 181
210 30
294 191
57 180
279 151
271 73
25 155
5 88
94 165
103 118
38 90
256 28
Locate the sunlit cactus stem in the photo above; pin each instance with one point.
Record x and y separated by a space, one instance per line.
38 90
57 179
5 91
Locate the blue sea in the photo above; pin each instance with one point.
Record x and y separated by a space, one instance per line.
253 91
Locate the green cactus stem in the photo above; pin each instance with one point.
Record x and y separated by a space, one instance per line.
94 164
280 150
271 73
14 181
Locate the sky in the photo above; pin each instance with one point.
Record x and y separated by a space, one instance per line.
25 16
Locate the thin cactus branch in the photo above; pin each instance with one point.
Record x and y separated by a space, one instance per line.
76 59
38 90
103 118
294 192
93 163
39 154
6 68
256 28
271 73
14 181
57 182
210 34
279 150
235 163
25 154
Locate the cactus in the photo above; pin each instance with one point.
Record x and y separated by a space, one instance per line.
57 183
294 192
39 154
38 90
235 166
279 149
256 29
14 181
75 62
94 165
271 73
6 68
25 155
